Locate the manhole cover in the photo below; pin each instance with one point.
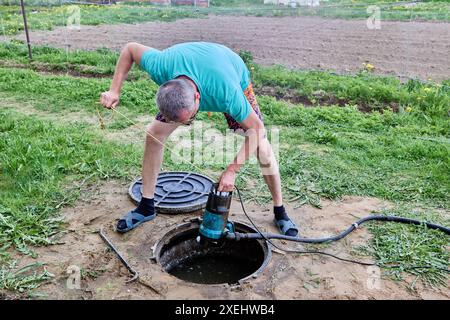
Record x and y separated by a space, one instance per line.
176 192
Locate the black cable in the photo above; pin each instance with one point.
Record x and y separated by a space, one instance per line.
261 235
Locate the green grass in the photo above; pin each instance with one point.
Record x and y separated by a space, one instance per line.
412 246
235 3
24 279
38 162
44 164
367 91
325 152
335 151
58 93
426 11
39 165
87 63
409 151
399 156
345 9
49 16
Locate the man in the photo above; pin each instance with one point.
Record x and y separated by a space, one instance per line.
193 77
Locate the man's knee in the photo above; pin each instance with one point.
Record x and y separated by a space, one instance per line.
266 160
264 152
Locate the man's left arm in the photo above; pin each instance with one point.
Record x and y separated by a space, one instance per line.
255 132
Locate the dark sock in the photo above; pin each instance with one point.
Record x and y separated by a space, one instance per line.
146 207
280 214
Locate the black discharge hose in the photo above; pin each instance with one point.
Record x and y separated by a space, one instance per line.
267 236
354 226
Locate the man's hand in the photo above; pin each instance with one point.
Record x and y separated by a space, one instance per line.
131 53
226 182
109 99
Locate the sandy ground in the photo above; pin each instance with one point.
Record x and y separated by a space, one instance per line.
287 276
405 49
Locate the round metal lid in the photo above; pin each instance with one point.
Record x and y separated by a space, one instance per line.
176 192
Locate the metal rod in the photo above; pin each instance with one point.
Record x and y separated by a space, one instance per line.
127 265
26 29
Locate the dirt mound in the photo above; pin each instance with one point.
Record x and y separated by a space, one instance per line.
405 49
287 276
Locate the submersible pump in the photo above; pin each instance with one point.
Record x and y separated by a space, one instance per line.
215 223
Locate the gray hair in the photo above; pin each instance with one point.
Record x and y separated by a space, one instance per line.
173 96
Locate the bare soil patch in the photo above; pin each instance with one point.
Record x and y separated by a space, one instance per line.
404 49
44 68
321 99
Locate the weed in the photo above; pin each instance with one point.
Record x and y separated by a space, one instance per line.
24 279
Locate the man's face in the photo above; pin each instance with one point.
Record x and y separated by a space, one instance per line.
186 117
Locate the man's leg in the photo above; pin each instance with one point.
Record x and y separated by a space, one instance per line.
153 154
270 171
156 135
269 168
271 174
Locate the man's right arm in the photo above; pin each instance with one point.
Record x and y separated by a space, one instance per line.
131 53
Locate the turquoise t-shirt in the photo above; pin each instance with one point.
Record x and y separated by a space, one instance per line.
220 74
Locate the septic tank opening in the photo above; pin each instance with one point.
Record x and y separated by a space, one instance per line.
232 262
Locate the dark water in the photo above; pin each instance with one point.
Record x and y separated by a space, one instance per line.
213 270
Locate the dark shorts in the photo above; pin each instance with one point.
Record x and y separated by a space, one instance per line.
232 123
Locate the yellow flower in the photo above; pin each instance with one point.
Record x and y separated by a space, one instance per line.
368 66
427 90
408 109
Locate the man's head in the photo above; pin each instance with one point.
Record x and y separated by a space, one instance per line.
178 100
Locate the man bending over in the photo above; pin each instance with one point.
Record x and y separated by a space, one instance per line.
193 77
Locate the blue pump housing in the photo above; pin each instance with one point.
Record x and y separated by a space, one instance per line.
215 216
213 225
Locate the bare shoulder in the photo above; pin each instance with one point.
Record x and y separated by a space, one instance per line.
137 50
